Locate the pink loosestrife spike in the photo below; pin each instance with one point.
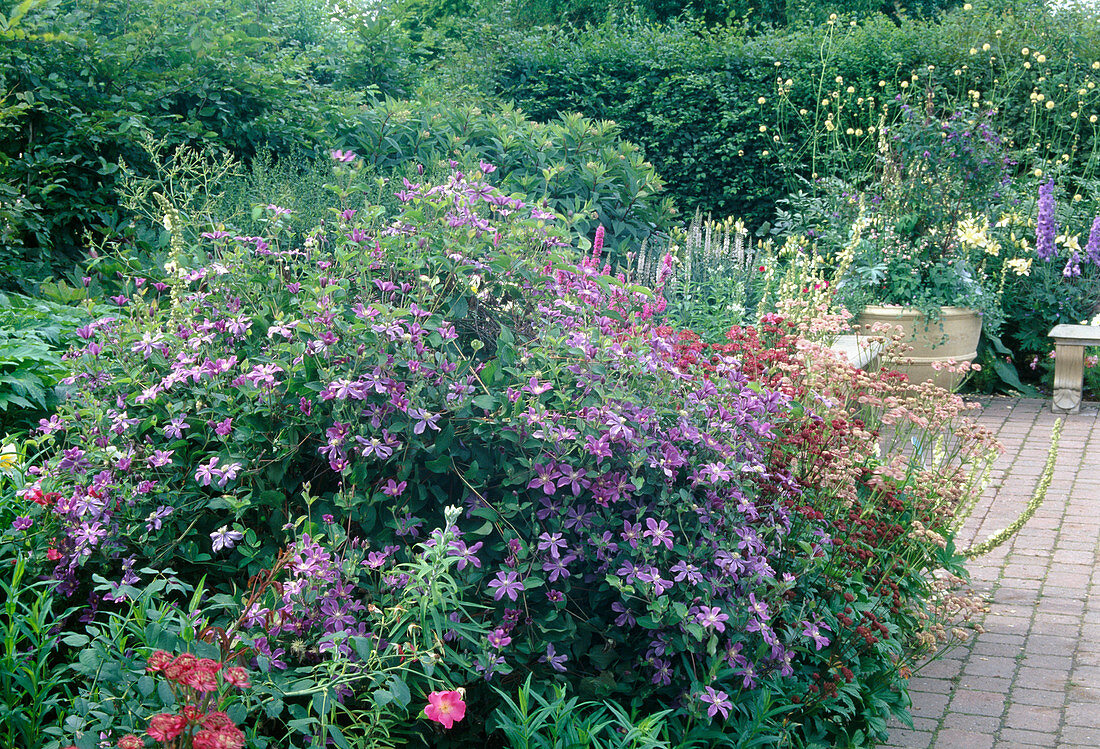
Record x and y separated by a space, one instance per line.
597 243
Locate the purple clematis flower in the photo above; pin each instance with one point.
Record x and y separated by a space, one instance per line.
224 538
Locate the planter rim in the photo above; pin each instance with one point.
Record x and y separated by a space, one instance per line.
903 311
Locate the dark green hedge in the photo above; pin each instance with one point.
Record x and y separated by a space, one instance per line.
82 84
689 94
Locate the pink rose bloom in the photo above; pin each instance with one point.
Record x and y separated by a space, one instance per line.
445 708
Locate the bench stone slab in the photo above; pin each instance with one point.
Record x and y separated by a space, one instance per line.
1069 364
859 351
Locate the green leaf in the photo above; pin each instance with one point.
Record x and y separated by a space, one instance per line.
273 707
338 737
400 691
458 309
486 401
146 685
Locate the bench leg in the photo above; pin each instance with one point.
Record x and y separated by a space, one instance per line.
1069 376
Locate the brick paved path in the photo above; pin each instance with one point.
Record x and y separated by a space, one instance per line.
1033 678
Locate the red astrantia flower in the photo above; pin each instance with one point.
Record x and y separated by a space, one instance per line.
165 726
130 741
193 714
238 677
221 737
216 720
200 679
445 708
157 661
179 666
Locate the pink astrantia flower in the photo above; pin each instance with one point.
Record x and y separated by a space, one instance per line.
445 708
164 727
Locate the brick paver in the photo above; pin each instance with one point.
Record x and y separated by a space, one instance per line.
1032 679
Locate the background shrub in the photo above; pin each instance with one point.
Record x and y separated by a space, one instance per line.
690 95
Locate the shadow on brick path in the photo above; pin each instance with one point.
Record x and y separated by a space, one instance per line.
1032 679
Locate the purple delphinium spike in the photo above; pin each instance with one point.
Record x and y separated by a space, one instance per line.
1046 227
1092 249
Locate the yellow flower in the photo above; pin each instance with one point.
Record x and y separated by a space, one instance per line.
9 458
973 232
1020 266
1069 241
1050 105
973 50
761 100
1025 51
985 47
968 6
1041 58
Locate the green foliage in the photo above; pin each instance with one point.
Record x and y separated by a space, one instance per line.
34 334
691 95
557 721
755 15
88 81
34 687
581 169
33 692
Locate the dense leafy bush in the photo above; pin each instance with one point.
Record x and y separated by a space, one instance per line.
579 168
640 517
83 83
34 333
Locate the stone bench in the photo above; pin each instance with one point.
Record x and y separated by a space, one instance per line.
1069 364
857 350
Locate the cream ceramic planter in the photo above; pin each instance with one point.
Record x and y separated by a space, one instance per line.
954 337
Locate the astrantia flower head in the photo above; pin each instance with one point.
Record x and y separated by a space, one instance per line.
157 661
238 677
130 741
165 726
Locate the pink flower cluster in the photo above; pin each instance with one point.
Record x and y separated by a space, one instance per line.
197 720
